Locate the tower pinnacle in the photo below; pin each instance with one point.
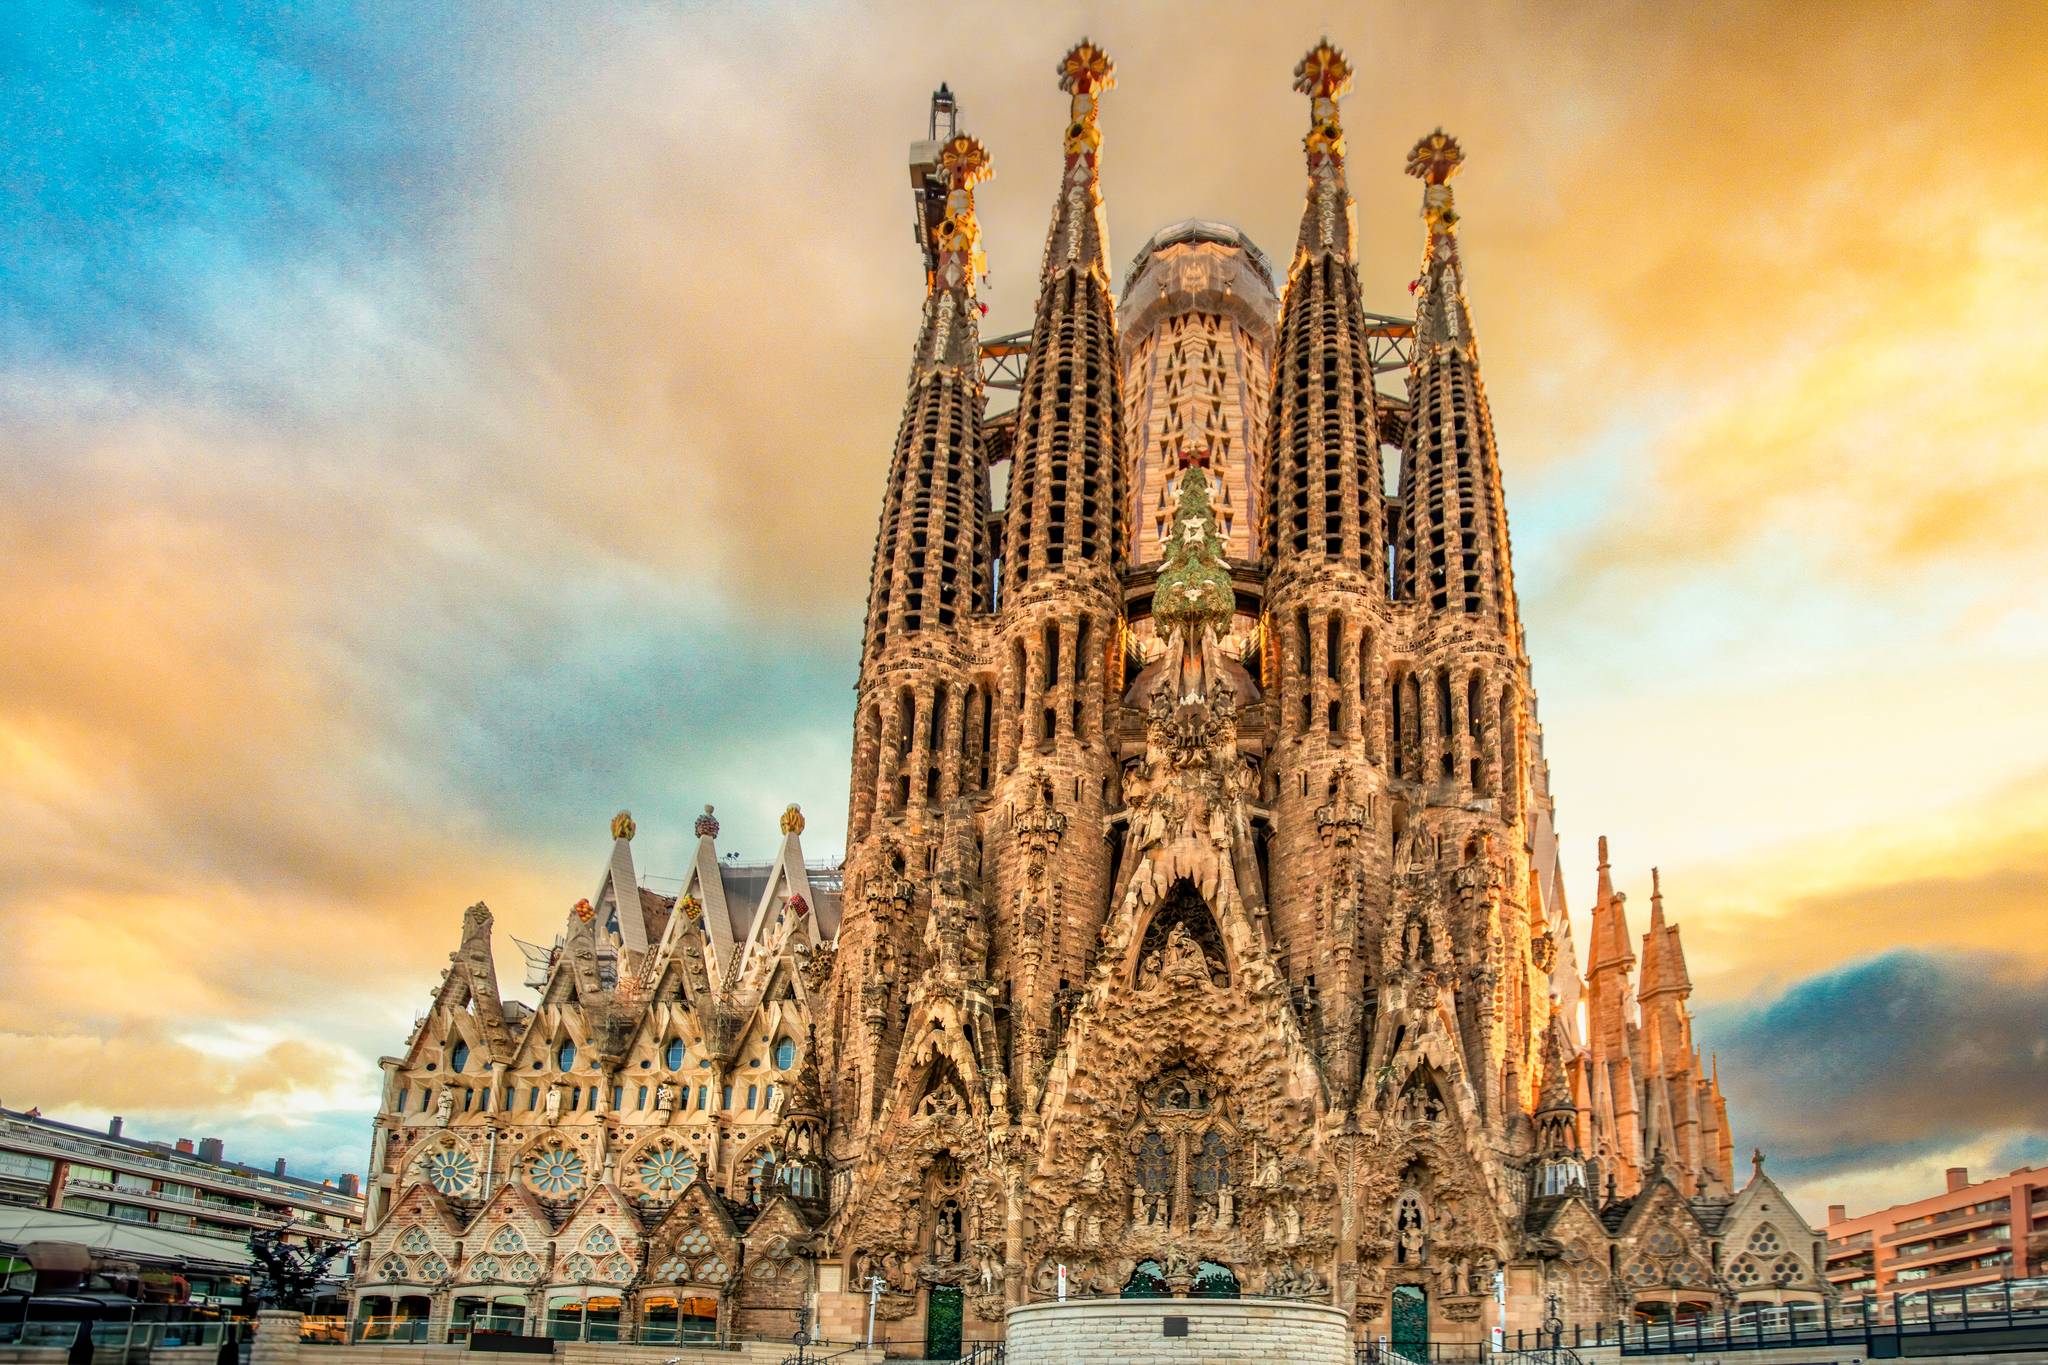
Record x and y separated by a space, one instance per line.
1064 497
1324 76
1080 231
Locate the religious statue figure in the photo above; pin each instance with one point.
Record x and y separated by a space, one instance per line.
1291 1216
1137 1205
1070 1224
444 1106
1092 1177
1091 1232
1226 1207
551 1107
664 1097
946 1237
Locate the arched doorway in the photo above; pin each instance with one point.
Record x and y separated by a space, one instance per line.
942 1323
1409 1322
1148 1281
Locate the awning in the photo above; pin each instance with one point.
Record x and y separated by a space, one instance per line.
68 1257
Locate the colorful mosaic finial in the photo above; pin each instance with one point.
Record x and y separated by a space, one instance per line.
707 823
1084 74
1325 77
1436 158
623 826
1323 73
964 163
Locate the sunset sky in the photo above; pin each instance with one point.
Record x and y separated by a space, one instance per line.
426 430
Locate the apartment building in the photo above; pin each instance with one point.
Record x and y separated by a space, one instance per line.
1971 1233
180 1211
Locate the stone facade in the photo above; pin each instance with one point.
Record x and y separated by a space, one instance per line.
1202 925
1210 1331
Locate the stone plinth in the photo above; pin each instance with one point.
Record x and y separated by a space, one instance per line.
277 1338
1134 1332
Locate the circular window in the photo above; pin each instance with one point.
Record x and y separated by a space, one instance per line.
666 1169
785 1053
452 1172
556 1171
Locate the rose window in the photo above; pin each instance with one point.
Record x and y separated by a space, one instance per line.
452 1171
1664 1243
507 1239
392 1268
1786 1268
666 1169
1764 1241
556 1171
600 1242
522 1270
483 1267
1745 1271
413 1242
617 1270
578 1267
712 1271
1640 1274
433 1268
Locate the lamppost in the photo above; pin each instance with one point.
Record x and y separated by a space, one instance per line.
802 1338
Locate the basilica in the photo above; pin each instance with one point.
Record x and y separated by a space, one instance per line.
1201 928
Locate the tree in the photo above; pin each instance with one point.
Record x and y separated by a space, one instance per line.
288 1276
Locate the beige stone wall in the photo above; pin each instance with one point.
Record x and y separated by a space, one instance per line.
1132 1332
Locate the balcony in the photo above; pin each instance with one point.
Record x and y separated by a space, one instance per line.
1974 1246
212 1208
1954 1218
35 1138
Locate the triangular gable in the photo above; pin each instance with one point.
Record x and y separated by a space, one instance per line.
701 911
697 1242
781 1216
511 1203
617 901
788 883
418 1203
1658 1198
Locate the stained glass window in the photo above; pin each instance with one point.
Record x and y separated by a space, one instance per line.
507 1239
458 1057
672 1055
666 1169
556 1171
1155 1164
1212 1165
565 1055
452 1171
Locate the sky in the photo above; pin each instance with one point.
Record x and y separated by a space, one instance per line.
425 430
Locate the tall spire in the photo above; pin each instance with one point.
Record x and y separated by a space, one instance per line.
1611 947
1330 221
1064 486
928 567
1080 230
1663 958
1453 552
1324 497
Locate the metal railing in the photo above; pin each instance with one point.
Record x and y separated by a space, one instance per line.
2004 1306
117 1336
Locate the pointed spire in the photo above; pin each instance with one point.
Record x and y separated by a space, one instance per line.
1441 316
1080 230
1663 956
1557 1091
1065 493
1453 553
1610 946
929 568
1329 222
1321 511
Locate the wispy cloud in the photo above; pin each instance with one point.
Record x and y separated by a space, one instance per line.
424 431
